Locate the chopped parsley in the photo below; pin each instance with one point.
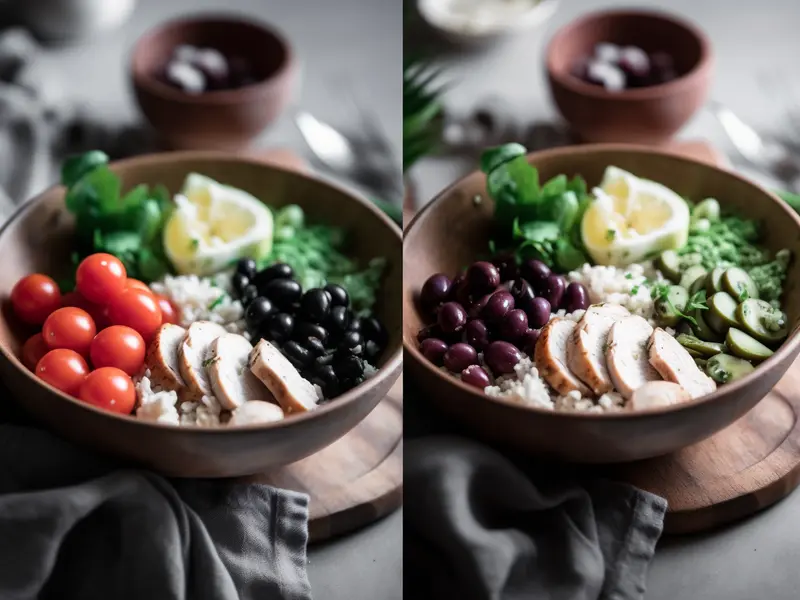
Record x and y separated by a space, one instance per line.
611 234
628 275
217 302
634 290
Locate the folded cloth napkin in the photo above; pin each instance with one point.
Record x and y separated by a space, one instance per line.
77 525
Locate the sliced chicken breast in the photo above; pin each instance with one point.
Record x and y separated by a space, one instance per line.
162 357
674 363
228 371
256 411
627 356
194 351
658 393
586 352
293 392
550 357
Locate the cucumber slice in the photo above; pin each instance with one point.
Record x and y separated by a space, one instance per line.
691 275
701 362
721 313
704 348
714 281
746 346
669 264
724 368
699 284
739 284
763 321
700 327
669 309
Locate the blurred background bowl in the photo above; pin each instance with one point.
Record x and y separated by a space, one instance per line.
647 115
221 119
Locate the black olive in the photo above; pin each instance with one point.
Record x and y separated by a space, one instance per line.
323 361
257 312
371 350
278 327
239 282
276 271
283 292
338 294
372 329
249 294
313 345
246 267
350 367
300 357
352 342
304 330
325 377
355 322
338 320
315 305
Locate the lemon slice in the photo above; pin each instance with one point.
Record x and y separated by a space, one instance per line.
631 219
214 225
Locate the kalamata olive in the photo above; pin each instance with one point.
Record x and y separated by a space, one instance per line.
497 306
536 273
459 356
476 376
325 377
522 292
257 312
352 342
238 283
501 357
475 309
338 320
278 327
299 356
476 334
538 312
304 330
349 367
355 322
575 297
339 296
452 317
249 294
372 329
315 305
429 332
553 290
276 271
371 350
507 266
283 292
313 345
247 267
482 277
514 325
457 285
434 291
527 343
324 360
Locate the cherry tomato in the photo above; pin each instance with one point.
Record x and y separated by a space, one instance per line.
109 388
33 350
169 314
97 311
120 347
71 328
34 297
64 369
136 284
100 277
138 310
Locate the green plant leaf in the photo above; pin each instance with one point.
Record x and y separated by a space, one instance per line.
562 209
536 231
555 187
567 256
96 192
75 167
492 158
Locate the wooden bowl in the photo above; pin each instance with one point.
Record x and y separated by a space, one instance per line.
38 238
453 230
648 115
219 120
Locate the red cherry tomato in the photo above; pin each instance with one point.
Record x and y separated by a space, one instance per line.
138 310
100 277
34 297
71 328
120 347
136 284
109 388
169 314
33 350
97 311
63 369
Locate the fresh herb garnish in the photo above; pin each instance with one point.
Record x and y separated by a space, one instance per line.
660 291
611 234
628 275
634 290
217 302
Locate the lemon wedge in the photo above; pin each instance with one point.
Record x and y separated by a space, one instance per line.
631 219
214 225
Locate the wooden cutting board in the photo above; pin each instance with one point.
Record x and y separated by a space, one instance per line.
359 478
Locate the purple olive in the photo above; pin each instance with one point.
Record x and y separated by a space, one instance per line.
459 356
434 349
527 343
575 297
434 291
457 285
514 325
553 290
536 273
475 309
538 312
475 376
476 334
482 277
498 305
452 317
427 332
522 292
501 357
507 266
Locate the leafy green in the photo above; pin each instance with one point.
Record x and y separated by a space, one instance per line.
75 167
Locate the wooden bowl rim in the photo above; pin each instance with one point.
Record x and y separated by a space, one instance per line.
786 349
695 75
393 364
147 82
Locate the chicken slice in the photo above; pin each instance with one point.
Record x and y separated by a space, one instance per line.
550 357
162 357
193 352
293 392
674 363
654 394
586 352
627 357
256 411
228 371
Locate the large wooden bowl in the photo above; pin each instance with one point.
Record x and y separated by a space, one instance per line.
453 229
38 238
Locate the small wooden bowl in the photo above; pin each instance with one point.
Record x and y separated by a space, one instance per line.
453 230
38 238
219 120
649 115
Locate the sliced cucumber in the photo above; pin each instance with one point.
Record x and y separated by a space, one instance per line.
702 347
691 275
668 309
700 362
746 346
739 284
669 264
763 321
714 281
695 353
724 368
700 327
699 284
721 313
